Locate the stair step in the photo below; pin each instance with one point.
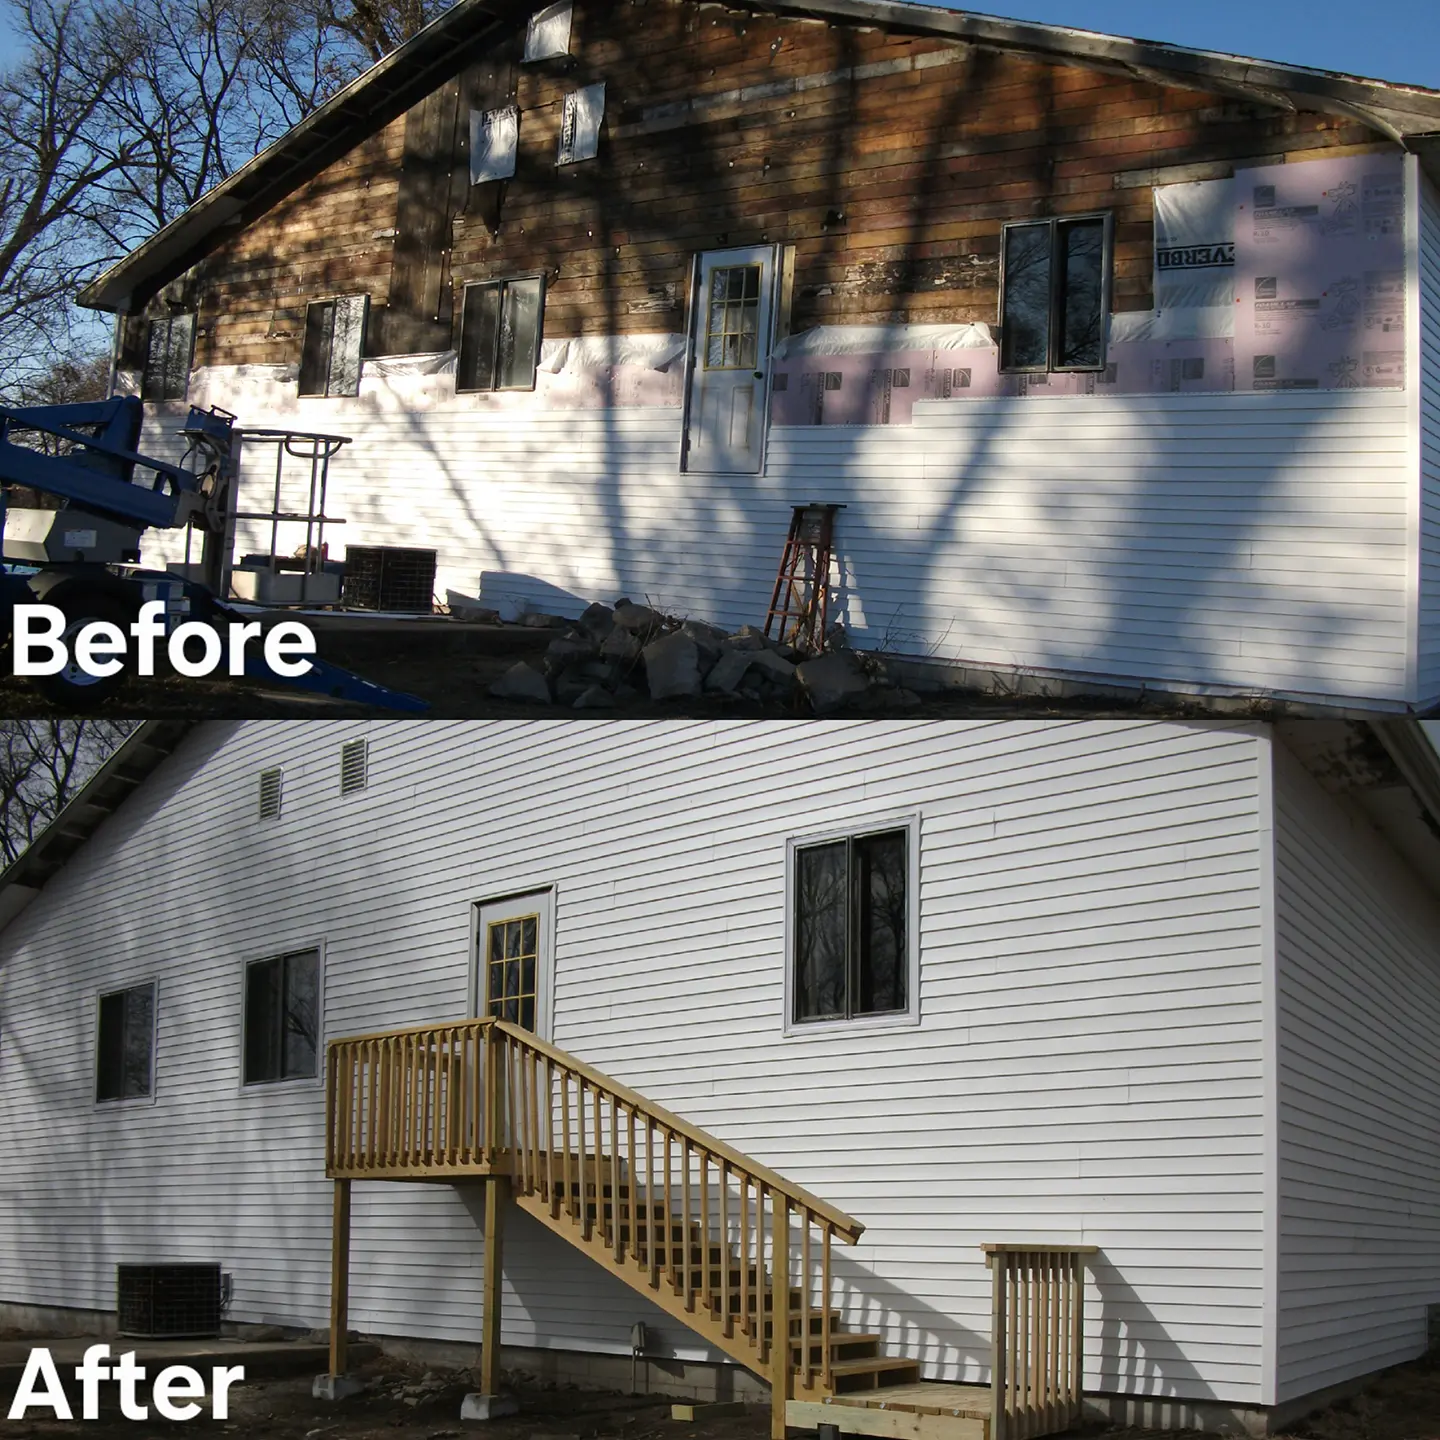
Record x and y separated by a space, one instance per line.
873 1374
817 1324
842 1347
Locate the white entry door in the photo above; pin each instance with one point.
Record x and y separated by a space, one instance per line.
733 327
512 960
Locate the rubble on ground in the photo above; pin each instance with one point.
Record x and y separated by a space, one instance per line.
615 654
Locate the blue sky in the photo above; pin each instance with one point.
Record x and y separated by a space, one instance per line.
1399 40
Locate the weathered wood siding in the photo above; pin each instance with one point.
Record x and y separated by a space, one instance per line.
1429 444
888 161
1358 956
1253 541
1087 1066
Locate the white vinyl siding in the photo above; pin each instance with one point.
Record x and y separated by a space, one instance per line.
1258 542
1087 1065
1358 970
1429 443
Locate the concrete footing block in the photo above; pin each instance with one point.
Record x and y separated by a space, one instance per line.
488 1407
336 1387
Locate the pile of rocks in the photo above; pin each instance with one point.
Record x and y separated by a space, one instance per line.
617 655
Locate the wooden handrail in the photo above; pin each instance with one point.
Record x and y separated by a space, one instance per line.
847 1227
722 1242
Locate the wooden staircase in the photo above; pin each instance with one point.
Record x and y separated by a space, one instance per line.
734 1251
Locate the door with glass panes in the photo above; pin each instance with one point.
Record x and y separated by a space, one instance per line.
512 970
733 319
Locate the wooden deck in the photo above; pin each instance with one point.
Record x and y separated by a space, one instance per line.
924 1411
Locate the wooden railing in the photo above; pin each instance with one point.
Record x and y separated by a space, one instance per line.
737 1251
1037 1330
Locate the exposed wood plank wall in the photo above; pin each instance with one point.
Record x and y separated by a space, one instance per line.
888 161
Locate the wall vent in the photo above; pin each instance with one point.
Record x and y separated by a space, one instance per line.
353 758
270 783
161 1302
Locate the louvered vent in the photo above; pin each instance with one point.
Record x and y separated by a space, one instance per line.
270 794
353 756
168 1301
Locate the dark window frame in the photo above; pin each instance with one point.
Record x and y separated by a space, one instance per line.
119 1095
502 284
1056 224
326 387
277 1053
908 1012
148 390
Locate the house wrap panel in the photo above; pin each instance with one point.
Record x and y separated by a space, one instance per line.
1359 1013
1429 442
1253 541
1087 1066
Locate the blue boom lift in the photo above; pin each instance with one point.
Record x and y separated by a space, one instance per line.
84 558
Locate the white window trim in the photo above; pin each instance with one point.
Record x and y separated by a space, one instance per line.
899 1019
546 896
134 1100
295 1082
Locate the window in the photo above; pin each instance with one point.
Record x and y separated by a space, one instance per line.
271 782
334 340
512 953
548 34
1055 294
353 755
125 1044
852 939
168 349
732 324
500 334
580 125
282 1017
494 144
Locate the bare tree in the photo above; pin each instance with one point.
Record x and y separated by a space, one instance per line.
42 764
122 113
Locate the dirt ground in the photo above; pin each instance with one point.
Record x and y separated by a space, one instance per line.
408 1402
453 673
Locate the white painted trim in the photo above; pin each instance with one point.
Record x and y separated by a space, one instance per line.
540 898
907 1019
316 1081
132 1101
1270 1059
1415 387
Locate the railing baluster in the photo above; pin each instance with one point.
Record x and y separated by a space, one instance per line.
669 1216
805 1299
685 1228
723 1186
565 1141
825 1303
550 1136
583 1183
747 1325
636 1254
706 1291
617 1235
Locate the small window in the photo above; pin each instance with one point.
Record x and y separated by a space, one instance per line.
851 941
168 350
271 782
1055 294
548 34
334 341
125 1044
512 954
352 765
580 125
494 144
500 324
282 1017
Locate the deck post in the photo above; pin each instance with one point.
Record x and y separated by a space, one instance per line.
497 1189
339 1277
998 1262
780 1319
